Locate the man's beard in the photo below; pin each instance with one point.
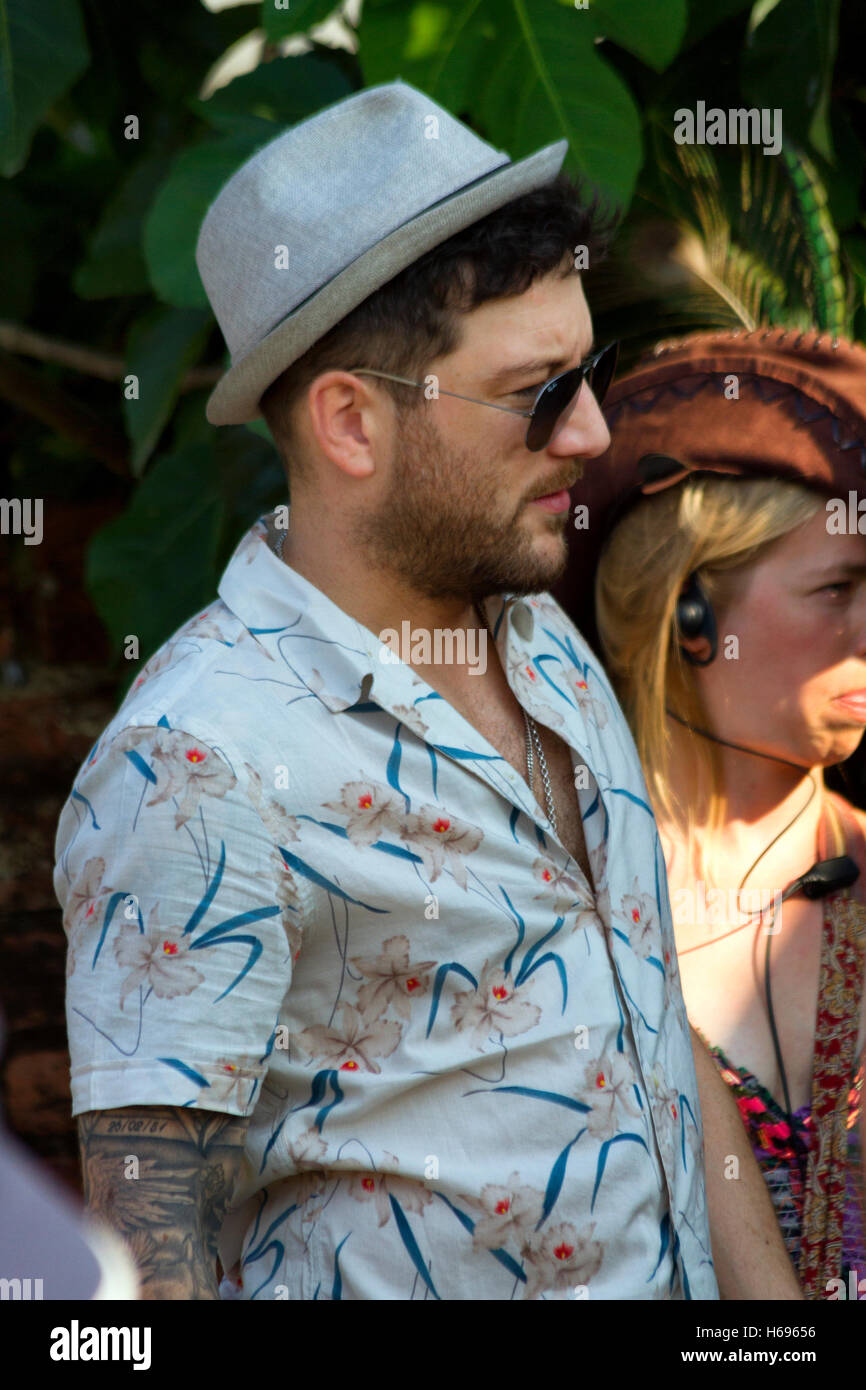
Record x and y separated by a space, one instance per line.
436 534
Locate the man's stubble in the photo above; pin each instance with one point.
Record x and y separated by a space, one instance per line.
441 531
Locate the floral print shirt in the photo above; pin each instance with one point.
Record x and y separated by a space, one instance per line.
299 886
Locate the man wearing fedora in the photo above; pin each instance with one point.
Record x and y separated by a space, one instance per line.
371 969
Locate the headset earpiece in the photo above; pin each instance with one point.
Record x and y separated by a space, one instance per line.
695 618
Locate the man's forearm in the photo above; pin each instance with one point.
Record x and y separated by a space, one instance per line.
749 1252
162 1178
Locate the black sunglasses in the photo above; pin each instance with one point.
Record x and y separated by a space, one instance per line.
557 396
553 400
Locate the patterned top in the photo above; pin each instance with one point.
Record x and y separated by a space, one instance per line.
298 885
782 1151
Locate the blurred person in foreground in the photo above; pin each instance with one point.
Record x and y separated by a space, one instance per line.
370 955
728 566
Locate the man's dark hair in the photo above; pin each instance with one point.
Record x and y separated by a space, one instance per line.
415 317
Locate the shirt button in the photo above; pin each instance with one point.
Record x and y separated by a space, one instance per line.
522 621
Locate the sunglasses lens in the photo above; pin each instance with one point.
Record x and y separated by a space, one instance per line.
601 375
556 399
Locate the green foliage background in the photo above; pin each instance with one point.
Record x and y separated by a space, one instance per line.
100 229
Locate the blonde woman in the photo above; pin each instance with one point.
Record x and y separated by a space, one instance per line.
722 548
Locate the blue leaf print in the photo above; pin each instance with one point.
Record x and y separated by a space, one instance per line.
509 1262
392 771
184 1070
210 893
163 723
110 908
437 988
621 791
279 1255
399 851
337 1287
306 871
466 754
255 951
260 1249
567 646
521 929
556 1179
140 765
317 1095
242 919
557 961
602 1158
638 1011
512 821
684 1106
76 796
524 971
664 1234
677 1256
561 693
410 1243
270 1144
326 1109
498 1254
435 767
465 1221
552 1096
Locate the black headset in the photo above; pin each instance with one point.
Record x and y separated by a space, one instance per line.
695 618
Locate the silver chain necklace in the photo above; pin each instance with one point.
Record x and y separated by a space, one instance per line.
533 737
532 734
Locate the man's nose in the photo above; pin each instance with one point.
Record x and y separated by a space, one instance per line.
584 432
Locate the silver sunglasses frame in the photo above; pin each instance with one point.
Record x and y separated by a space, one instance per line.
587 365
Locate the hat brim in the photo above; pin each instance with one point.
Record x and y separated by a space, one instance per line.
235 399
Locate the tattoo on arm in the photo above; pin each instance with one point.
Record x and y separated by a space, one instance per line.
163 1176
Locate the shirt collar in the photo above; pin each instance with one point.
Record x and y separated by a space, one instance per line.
269 597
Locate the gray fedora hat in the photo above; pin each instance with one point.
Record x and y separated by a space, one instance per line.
328 212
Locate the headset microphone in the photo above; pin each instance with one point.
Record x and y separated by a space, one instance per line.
825 877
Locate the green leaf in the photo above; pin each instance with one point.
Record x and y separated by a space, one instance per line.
524 73
704 18
548 81
282 92
787 64
43 49
160 349
172 226
438 47
294 17
114 264
150 569
653 30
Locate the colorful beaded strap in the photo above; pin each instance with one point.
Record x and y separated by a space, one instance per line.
834 1064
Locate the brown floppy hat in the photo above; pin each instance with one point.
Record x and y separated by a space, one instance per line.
770 402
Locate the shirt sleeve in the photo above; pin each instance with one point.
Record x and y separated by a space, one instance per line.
182 921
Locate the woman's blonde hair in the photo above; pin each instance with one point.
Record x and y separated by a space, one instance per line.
713 525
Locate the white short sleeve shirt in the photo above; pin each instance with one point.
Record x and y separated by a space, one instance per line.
298 885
